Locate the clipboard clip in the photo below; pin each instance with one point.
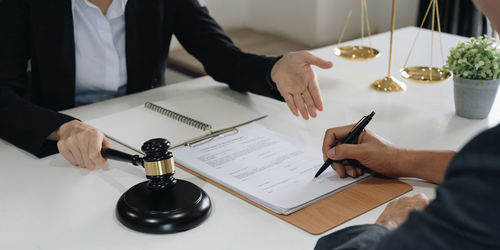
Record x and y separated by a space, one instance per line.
210 137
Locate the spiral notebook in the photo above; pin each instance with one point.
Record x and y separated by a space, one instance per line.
181 120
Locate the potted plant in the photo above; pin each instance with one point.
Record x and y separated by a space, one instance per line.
476 70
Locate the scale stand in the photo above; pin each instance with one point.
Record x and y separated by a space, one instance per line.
389 83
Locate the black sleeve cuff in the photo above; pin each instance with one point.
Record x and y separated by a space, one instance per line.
272 85
47 147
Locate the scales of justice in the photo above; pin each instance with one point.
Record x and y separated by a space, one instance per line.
419 74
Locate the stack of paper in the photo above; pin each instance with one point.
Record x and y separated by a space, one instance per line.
266 167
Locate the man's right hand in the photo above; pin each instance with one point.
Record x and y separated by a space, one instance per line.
81 144
383 157
371 151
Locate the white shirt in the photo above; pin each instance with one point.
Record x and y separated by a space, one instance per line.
99 47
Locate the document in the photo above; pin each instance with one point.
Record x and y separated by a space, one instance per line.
268 168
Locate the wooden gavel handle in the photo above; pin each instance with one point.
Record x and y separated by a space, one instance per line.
114 154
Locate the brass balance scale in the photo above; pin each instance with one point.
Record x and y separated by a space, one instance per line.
419 74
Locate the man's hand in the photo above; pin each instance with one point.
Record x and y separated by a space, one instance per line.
372 151
397 211
81 144
296 82
383 157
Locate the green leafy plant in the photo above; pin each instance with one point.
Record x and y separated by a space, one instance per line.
478 58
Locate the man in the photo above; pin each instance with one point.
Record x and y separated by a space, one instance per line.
58 54
464 214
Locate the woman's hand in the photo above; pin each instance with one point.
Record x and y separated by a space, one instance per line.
296 82
81 144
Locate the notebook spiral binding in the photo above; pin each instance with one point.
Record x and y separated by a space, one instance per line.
178 117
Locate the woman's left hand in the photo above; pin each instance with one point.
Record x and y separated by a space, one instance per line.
296 82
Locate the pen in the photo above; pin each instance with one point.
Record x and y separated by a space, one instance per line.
353 134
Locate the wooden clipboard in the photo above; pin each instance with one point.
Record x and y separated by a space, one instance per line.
337 208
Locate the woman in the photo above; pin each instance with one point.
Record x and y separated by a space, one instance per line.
61 53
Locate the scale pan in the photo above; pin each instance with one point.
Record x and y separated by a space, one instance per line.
356 53
426 75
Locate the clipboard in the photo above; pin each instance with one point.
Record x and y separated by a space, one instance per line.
335 209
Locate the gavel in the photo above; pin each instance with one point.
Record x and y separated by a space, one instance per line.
162 204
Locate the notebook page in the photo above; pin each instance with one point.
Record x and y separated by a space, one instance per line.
219 113
135 126
271 169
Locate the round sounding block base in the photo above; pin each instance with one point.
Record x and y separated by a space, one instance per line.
172 209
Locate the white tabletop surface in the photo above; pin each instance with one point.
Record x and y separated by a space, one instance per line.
49 204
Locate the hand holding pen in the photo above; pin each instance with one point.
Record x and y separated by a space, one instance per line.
368 150
353 135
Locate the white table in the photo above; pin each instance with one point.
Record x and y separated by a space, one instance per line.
48 204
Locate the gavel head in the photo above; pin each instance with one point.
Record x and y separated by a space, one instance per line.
159 163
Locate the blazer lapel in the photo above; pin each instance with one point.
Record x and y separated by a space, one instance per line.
143 42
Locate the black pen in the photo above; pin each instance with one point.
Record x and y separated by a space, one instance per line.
355 132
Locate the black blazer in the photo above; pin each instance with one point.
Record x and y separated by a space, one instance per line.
41 32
